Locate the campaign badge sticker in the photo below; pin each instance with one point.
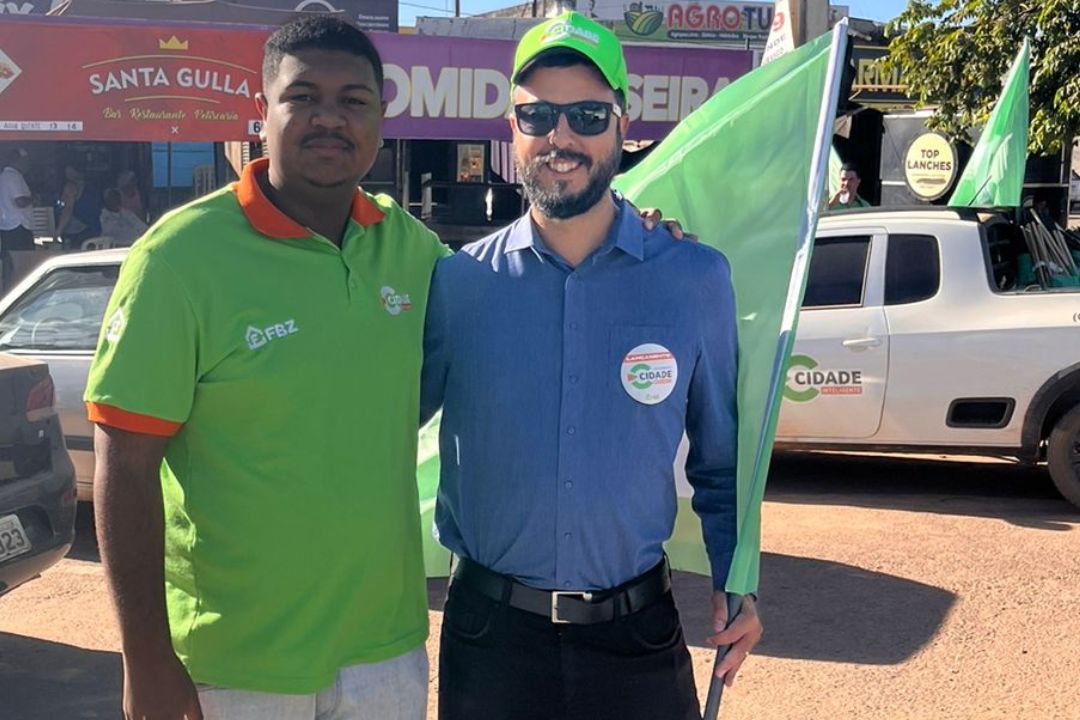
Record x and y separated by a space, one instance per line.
649 373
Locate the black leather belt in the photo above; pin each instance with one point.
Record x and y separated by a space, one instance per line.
578 608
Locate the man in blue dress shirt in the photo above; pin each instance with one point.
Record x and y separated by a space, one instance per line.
570 351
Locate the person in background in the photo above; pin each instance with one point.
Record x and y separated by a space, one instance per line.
80 209
130 197
16 224
118 223
847 197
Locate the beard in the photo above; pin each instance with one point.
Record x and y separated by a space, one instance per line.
556 201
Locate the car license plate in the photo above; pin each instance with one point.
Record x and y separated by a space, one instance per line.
13 539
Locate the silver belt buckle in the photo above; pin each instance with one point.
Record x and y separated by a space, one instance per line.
556 594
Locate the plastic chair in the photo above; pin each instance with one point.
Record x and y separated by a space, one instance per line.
43 222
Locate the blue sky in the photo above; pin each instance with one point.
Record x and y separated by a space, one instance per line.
875 9
409 9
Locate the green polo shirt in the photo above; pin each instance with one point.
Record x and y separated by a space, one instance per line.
852 204
286 373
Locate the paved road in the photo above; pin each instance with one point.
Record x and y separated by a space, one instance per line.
890 589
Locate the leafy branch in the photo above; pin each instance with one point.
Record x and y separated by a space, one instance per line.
953 54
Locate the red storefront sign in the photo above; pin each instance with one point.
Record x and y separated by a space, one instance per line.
70 80
64 80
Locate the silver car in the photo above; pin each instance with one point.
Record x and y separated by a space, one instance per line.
37 483
54 315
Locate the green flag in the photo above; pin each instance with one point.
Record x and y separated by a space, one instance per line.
780 43
436 557
746 171
835 163
994 176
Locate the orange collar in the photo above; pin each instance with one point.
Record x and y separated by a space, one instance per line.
265 217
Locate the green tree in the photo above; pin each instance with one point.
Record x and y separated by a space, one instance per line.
954 54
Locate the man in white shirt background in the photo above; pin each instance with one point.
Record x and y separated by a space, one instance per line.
15 204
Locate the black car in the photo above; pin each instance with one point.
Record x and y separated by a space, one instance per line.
37 479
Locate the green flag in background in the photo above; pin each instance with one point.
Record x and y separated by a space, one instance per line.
436 557
994 176
746 172
835 163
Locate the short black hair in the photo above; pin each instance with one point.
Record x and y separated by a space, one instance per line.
564 58
318 32
850 167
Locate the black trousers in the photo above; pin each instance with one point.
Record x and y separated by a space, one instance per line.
18 239
500 663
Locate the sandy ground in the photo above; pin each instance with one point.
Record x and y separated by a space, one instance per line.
890 589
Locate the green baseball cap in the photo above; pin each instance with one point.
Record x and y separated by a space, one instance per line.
574 31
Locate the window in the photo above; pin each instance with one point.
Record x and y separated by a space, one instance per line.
62 312
837 272
174 163
383 174
912 269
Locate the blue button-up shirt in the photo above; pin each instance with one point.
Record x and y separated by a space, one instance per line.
559 430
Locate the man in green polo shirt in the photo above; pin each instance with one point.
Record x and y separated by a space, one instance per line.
256 399
847 197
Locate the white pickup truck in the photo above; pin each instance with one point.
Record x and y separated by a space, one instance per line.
928 331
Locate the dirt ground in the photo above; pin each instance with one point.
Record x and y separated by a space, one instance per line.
890 589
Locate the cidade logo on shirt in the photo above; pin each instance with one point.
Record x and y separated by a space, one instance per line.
116 326
649 373
393 301
257 337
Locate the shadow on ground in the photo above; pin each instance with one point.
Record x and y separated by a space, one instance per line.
816 610
1022 496
821 610
85 546
43 680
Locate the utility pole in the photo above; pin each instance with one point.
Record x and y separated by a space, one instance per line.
809 20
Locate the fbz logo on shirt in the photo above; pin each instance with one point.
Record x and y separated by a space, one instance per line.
257 337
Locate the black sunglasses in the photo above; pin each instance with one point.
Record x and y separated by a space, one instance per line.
588 117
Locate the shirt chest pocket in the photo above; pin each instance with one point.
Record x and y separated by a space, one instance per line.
649 366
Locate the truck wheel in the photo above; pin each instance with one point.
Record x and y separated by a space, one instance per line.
1063 455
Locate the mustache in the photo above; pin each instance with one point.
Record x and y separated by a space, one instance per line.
567 155
311 137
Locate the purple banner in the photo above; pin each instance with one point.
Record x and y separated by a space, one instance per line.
459 88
